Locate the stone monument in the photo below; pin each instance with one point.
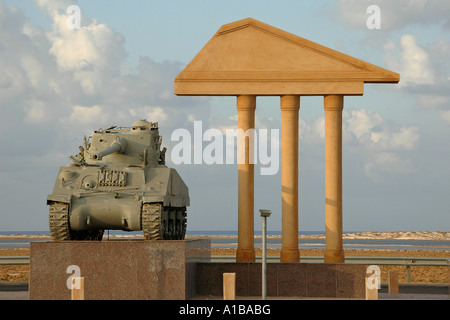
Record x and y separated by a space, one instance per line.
249 58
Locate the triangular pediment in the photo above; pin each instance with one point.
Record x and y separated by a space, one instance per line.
251 57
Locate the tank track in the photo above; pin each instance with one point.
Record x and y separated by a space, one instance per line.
163 223
60 228
59 221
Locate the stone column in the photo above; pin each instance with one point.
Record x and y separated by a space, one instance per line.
290 106
333 105
246 106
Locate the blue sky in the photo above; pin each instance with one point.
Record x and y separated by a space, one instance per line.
56 86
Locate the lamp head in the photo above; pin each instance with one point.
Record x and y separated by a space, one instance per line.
265 213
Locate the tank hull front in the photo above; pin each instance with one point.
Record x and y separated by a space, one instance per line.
103 212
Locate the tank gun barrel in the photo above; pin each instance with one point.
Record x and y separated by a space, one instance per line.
119 146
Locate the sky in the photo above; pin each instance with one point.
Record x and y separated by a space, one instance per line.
58 84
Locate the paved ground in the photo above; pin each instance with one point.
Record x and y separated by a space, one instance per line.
16 295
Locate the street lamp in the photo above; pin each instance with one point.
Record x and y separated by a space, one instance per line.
264 214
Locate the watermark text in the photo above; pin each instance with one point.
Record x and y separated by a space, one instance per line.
74 19
374 20
253 146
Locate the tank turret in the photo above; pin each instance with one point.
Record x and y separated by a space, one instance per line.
119 181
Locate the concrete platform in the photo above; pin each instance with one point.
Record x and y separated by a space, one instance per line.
117 270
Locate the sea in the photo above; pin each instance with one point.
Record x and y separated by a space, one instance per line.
228 239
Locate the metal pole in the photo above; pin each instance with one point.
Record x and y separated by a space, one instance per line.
264 214
264 262
408 274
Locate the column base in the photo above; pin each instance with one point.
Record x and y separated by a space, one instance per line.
290 255
245 255
334 256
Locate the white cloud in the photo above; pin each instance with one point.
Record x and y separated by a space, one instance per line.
416 66
74 80
152 114
405 139
96 46
412 61
361 123
423 67
445 115
433 101
86 115
382 144
312 132
424 70
93 54
386 144
37 111
382 165
369 129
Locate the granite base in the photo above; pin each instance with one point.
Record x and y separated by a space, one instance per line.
285 279
117 270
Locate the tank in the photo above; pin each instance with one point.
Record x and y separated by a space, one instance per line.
119 181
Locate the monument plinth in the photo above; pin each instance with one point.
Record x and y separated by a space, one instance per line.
117 269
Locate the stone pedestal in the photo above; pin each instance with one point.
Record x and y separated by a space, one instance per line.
326 280
117 270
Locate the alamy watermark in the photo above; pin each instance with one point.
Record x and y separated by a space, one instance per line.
220 147
74 19
374 20
73 282
374 280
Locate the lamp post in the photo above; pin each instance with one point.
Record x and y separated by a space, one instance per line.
264 214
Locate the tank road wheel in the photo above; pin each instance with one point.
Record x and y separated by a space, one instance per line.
183 217
166 225
180 223
59 221
163 223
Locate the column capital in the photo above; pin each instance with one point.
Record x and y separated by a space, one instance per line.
290 102
246 102
333 102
